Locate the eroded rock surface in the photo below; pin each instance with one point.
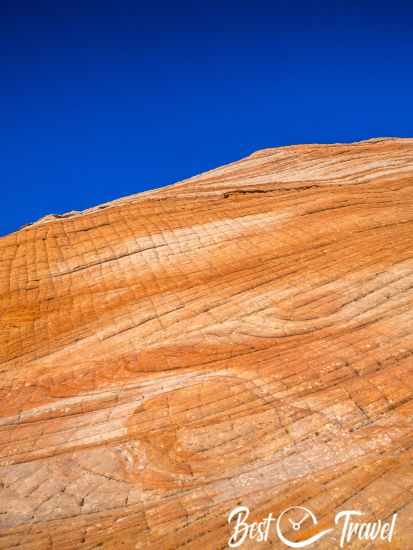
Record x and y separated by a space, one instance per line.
245 336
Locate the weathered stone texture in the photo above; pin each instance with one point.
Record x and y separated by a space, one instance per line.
245 336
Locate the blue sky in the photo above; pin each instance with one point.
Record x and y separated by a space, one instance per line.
101 100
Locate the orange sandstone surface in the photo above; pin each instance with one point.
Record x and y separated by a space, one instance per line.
242 337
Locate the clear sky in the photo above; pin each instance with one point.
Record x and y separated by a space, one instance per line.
104 99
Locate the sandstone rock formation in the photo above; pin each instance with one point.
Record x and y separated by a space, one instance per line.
242 337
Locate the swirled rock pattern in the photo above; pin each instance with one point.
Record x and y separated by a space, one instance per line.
244 336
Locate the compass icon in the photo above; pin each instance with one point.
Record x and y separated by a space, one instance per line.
300 519
297 524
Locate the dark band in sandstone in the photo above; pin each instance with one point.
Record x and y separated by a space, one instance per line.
245 336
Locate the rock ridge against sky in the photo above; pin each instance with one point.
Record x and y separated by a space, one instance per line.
244 336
